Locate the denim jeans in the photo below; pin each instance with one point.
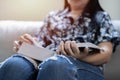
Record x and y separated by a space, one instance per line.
67 68
17 68
55 68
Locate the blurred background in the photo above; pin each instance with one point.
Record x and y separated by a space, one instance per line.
32 10
36 10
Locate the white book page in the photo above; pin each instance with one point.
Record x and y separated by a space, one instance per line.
38 53
91 45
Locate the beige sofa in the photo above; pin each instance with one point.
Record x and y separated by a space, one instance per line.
11 30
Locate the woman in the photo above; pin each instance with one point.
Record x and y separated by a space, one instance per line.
79 21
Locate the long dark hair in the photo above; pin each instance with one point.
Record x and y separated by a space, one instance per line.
92 7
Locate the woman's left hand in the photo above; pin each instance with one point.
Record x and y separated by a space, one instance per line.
70 48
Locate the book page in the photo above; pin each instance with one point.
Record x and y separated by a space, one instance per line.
92 48
38 53
89 45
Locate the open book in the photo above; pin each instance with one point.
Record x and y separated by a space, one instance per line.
35 52
40 53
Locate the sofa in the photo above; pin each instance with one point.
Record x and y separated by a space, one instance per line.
11 30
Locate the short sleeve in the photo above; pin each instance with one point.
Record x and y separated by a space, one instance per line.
107 30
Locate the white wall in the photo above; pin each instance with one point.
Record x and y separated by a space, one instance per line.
112 7
38 9
27 9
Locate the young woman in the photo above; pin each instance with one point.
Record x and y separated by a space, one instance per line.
79 21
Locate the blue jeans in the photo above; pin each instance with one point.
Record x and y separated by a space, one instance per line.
67 68
55 68
17 68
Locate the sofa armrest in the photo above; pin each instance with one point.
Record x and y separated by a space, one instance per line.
11 30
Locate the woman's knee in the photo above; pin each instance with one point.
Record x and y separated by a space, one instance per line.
17 67
56 67
55 62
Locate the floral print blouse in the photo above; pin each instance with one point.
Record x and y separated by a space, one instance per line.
60 26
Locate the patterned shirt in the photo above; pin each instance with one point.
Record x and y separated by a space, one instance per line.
60 26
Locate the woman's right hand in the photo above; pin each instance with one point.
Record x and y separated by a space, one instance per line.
24 38
70 48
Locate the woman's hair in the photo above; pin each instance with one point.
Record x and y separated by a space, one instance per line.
92 7
66 5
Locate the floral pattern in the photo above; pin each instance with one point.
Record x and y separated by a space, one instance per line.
60 26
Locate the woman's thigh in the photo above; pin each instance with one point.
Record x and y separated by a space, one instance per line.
17 68
66 68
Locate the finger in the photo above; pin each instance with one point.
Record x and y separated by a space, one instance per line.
25 39
62 50
68 48
20 42
36 39
29 38
15 49
76 51
75 48
86 50
16 44
58 51
33 40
